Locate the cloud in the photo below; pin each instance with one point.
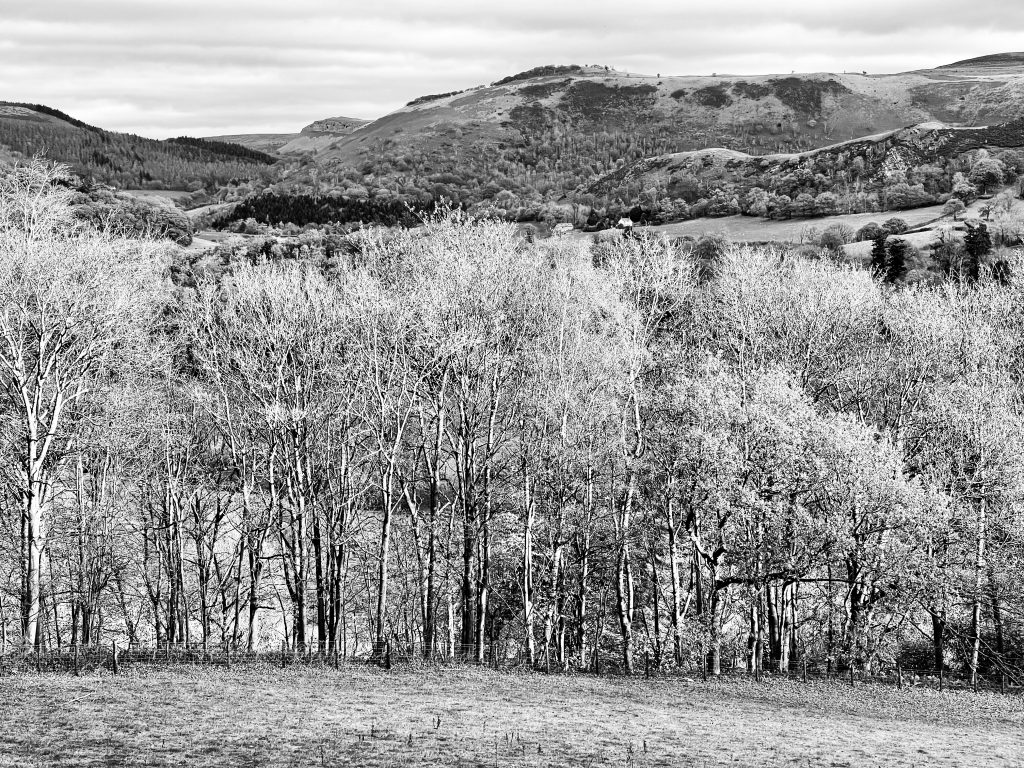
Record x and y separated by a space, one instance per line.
202 67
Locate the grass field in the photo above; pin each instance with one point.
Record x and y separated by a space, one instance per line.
169 194
262 716
754 229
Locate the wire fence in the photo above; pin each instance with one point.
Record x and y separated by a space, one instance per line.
115 659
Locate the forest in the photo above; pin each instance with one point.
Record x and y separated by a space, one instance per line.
461 443
128 161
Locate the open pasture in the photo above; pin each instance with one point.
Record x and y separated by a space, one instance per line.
266 716
757 230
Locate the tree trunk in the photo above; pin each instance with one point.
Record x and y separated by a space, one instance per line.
673 559
624 604
714 660
938 639
33 562
979 574
527 585
383 555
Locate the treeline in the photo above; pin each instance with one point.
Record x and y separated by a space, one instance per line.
302 209
226 148
128 161
461 441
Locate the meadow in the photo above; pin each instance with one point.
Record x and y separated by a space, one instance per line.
758 230
263 716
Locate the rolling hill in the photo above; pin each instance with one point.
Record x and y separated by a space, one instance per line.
529 145
314 137
545 136
125 160
895 170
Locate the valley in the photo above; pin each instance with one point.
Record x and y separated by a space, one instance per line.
752 157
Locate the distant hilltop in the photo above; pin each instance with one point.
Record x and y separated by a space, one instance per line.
337 125
992 60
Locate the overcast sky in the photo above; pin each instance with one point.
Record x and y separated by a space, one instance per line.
201 67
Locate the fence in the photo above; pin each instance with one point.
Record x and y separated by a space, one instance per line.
114 658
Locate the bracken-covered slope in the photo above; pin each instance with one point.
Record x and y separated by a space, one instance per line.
122 159
551 132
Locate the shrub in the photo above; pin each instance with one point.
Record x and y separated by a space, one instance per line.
707 253
953 207
836 236
869 231
895 226
713 96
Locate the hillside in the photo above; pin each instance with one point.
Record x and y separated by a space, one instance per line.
125 160
894 170
261 142
544 136
315 136
992 61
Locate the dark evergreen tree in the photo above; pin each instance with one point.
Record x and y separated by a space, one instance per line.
879 254
896 268
977 244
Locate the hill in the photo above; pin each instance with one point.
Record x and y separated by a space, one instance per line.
315 136
992 60
895 170
543 137
125 160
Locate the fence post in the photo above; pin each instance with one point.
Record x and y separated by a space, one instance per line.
899 677
113 657
1002 683
828 669
805 668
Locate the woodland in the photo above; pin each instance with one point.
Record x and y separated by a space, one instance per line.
461 443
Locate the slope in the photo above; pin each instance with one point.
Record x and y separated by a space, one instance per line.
896 170
315 136
545 135
125 160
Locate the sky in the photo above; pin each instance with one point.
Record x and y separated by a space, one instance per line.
213 67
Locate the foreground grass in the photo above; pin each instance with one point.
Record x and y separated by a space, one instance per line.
262 716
